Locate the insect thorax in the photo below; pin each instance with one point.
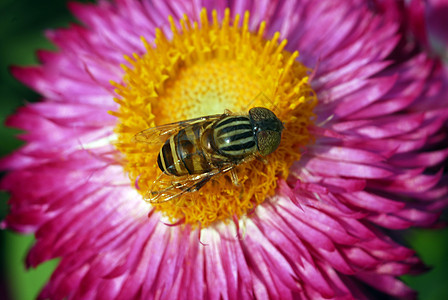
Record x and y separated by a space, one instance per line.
234 137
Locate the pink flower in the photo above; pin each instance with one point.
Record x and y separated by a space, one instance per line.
423 22
361 153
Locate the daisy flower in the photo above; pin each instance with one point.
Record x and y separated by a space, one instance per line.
360 157
422 21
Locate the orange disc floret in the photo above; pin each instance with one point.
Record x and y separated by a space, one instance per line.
204 69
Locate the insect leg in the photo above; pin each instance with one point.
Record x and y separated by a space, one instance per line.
234 177
262 159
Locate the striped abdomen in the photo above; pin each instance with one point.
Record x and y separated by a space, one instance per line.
234 137
182 153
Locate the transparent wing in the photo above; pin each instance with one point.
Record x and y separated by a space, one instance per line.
261 99
169 190
173 187
160 134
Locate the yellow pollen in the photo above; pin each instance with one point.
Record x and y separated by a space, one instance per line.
203 69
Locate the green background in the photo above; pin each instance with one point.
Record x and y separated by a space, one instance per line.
21 33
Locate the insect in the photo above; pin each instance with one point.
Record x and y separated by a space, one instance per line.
195 150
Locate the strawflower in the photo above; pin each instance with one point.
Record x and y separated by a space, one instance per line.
423 22
361 153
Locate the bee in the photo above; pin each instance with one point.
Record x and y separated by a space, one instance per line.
196 150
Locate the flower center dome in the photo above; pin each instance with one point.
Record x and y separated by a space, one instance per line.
205 69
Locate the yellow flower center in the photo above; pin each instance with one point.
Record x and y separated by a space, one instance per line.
205 69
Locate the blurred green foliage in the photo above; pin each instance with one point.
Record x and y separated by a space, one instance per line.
22 24
432 247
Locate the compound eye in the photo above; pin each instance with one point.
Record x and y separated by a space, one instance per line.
261 113
268 141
